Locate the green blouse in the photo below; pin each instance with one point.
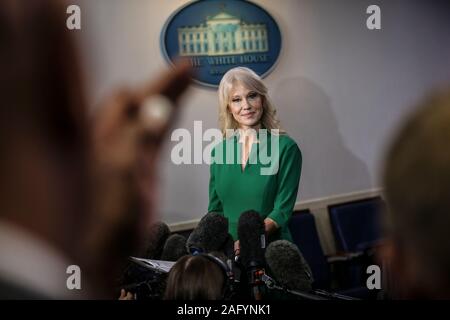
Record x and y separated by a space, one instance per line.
233 191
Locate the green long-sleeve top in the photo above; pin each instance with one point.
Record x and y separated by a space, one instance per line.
233 190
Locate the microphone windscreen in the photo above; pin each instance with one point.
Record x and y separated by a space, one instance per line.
288 266
210 234
157 236
175 248
252 241
228 247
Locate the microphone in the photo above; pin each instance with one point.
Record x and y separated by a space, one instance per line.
228 247
175 248
234 272
210 234
288 266
228 250
293 274
158 234
252 240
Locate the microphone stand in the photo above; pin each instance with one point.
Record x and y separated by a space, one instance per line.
316 295
334 295
270 283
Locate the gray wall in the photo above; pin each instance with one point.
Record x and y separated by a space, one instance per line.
340 89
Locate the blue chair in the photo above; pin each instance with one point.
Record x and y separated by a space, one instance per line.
305 236
356 228
356 225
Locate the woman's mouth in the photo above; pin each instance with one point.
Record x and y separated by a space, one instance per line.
248 115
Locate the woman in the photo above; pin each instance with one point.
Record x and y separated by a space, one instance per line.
245 115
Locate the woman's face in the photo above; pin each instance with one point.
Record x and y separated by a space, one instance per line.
246 106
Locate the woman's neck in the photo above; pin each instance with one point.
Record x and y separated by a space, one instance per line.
249 134
249 129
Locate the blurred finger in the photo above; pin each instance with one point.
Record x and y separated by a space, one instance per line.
171 83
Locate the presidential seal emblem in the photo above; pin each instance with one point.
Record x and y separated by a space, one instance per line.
217 35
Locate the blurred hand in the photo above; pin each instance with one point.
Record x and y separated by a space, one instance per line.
124 165
119 137
270 226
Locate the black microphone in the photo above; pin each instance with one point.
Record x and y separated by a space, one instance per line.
228 250
293 274
175 248
210 234
234 271
288 266
252 241
157 236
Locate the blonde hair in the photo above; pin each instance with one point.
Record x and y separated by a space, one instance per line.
252 81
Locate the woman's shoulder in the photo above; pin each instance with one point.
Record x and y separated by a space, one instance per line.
287 142
289 148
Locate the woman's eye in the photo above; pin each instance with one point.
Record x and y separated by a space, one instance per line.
252 95
236 100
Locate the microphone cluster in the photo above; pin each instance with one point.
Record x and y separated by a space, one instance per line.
260 272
